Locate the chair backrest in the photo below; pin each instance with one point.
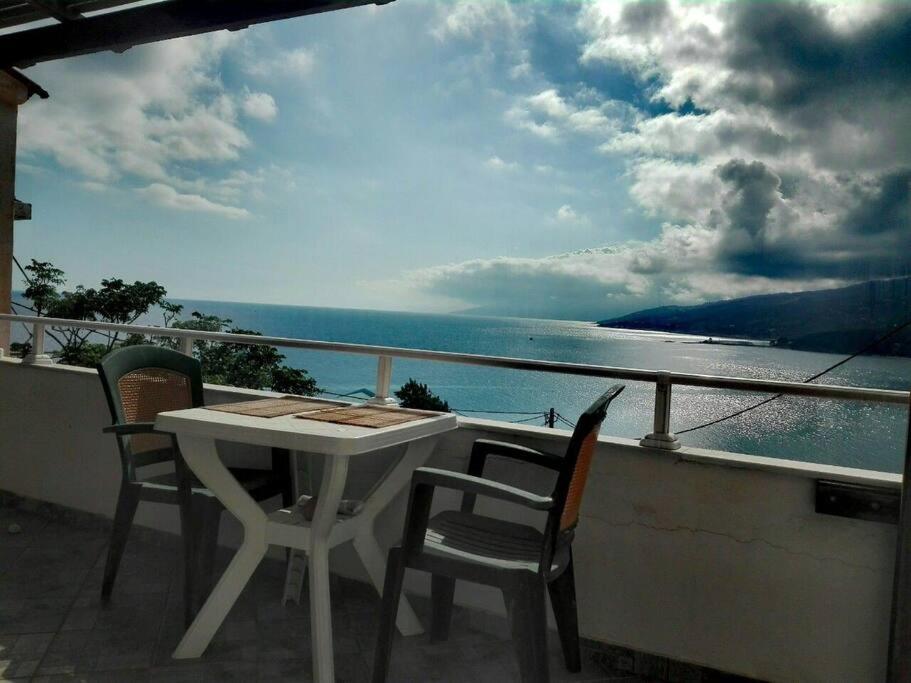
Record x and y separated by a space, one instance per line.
142 381
573 476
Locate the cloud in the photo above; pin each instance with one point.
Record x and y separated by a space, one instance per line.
155 114
495 163
473 19
167 196
297 63
92 186
599 283
822 80
548 115
260 106
770 139
567 215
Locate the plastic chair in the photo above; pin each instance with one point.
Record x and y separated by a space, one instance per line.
140 382
520 560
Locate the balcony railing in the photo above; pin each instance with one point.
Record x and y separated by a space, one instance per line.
661 436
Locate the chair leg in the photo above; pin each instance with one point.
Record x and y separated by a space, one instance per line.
206 548
188 537
127 501
563 600
392 589
525 606
442 590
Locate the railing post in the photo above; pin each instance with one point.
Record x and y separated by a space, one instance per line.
186 345
899 666
37 356
661 436
383 380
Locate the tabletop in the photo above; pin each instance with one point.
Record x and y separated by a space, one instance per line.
299 434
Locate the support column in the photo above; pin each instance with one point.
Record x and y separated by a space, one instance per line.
662 436
12 94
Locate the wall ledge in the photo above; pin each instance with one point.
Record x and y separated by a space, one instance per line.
692 455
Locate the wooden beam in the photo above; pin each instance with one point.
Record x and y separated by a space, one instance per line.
121 30
22 211
12 94
899 666
55 9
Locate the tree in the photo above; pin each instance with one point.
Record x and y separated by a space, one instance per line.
44 279
241 365
114 301
413 394
244 365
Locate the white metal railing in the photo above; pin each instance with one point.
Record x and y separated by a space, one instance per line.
661 436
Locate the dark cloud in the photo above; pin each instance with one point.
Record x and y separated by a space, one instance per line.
754 191
885 209
645 16
809 61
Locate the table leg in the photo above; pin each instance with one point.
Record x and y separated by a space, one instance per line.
201 456
296 560
365 543
330 493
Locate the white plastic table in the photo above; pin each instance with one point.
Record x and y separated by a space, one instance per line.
198 429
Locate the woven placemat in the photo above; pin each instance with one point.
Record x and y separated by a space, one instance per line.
368 416
273 407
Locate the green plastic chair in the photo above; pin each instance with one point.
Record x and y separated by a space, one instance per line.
140 382
520 560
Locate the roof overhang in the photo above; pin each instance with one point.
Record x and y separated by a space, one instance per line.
121 25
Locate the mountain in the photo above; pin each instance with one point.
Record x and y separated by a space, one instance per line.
839 320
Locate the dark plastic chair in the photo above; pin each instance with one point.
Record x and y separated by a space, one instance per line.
140 382
518 559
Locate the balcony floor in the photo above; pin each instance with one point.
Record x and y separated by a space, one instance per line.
52 626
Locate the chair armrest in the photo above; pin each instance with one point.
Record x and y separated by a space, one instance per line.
484 447
128 428
427 479
430 476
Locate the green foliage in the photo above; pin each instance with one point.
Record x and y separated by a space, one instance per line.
114 301
413 394
44 279
239 365
86 354
244 365
20 349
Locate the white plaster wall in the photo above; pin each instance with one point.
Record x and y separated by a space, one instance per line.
715 559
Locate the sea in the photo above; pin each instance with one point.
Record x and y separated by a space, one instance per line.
851 434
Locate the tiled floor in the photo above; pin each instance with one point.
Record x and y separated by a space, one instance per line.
52 626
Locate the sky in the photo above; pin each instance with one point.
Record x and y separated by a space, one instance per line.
573 160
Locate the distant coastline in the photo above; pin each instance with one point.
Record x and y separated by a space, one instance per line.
843 320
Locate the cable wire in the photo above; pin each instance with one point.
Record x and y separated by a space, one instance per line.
538 416
829 369
565 421
22 270
497 412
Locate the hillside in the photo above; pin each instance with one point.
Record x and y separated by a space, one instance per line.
834 320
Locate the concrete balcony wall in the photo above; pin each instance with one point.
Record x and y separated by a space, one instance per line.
716 559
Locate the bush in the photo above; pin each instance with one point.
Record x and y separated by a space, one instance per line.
413 394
